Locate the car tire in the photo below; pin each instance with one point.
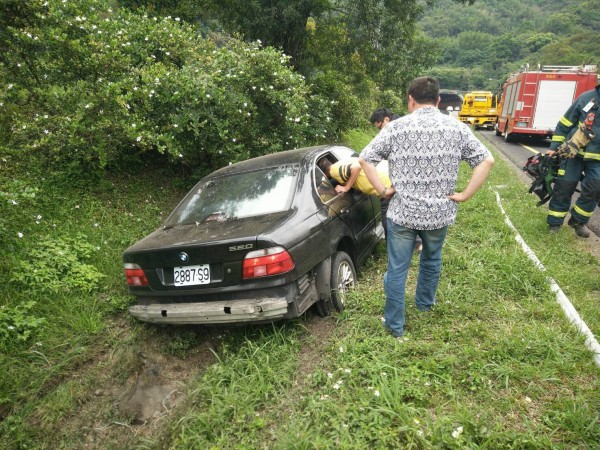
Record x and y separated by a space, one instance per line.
507 137
498 132
343 278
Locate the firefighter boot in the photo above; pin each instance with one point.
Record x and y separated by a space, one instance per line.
580 229
553 229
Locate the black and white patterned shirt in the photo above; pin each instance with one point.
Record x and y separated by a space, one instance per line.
424 150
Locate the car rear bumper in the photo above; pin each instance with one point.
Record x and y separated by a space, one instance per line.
218 312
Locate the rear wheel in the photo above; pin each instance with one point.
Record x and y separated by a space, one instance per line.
343 278
507 137
498 132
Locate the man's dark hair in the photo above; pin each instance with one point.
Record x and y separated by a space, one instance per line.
324 164
424 90
379 114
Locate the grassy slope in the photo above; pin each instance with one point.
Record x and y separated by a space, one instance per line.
496 364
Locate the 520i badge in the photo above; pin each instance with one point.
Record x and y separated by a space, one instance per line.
236 248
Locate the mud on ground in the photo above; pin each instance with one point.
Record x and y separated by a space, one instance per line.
133 392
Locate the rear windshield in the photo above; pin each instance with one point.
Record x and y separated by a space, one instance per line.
237 196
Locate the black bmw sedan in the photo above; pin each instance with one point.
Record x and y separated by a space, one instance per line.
257 241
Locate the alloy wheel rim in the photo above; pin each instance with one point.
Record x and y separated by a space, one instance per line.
345 281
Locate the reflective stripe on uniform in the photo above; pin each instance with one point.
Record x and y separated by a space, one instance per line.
557 138
587 155
557 213
566 122
560 172
580 211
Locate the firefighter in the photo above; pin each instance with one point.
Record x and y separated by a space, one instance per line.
577 141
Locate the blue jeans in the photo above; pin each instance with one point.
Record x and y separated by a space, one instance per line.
400 244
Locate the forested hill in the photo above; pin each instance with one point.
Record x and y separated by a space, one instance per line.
480 44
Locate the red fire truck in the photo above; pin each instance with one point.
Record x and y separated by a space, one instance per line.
533 102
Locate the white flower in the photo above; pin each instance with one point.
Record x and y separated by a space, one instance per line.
337 385
14 202
341 349
376 393
347 370
139 138
329 375
207 95
456 433
419 432
10 327
527 400
20 235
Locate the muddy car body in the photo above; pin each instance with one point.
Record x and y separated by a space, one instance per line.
257 241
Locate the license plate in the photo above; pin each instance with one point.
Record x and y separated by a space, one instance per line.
191 275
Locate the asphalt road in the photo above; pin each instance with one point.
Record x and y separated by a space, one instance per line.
518 152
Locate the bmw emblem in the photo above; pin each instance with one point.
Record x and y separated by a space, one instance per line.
183 256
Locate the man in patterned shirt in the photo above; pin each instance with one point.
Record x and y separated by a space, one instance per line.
424 149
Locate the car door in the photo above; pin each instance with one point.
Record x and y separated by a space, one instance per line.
354 208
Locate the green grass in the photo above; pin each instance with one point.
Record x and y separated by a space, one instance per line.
496 365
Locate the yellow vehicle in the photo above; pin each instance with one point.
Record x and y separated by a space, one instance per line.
479 109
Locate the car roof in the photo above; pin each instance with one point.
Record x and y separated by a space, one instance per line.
277 159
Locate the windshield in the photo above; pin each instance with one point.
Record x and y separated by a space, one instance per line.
237 196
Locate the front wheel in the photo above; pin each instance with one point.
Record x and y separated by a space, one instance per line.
343 278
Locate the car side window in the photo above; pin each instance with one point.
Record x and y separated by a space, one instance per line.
325 189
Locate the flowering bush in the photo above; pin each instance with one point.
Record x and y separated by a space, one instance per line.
89 87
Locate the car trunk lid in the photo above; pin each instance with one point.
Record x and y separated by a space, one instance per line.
212 251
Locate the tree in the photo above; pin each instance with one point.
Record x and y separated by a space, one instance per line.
92 87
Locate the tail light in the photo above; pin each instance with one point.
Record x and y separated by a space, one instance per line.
266 262
135 275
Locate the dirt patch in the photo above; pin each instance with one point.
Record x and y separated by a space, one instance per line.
128 390
319 330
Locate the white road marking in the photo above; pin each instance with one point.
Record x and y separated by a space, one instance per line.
561 298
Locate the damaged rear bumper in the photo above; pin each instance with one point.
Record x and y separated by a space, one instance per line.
218 312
